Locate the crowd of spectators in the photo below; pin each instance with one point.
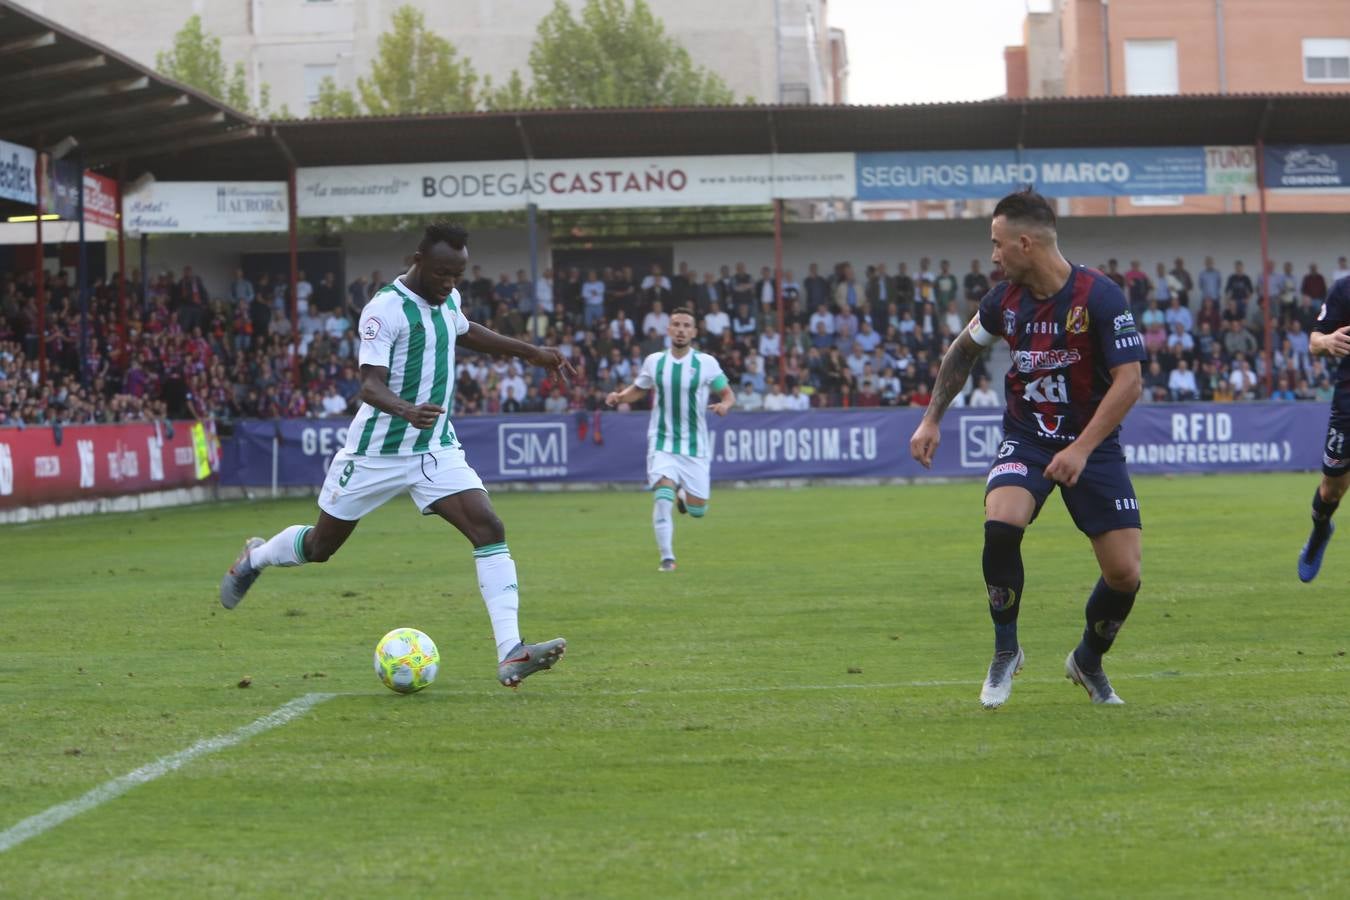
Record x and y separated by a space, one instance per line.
847 339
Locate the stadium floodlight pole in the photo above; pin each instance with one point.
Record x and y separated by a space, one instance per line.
1267 352
778 291
121 266
40 268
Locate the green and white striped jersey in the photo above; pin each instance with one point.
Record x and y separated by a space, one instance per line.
416 341
679 422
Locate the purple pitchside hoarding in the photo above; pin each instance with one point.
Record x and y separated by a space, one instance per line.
1169 438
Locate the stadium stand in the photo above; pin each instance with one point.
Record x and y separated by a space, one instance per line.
227 350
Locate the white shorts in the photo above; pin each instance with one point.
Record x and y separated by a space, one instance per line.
358 485
688 472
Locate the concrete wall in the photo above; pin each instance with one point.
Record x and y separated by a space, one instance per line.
1300 239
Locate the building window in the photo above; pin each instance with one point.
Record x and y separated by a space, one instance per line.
1151 67
1326 59
314 76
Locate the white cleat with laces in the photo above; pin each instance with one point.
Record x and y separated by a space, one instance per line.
998 683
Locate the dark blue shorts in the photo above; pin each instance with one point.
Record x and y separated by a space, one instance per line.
1103 499
1336 451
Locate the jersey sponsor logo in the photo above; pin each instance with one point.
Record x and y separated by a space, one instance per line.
1125 343
1332 462
1047 429
1077 321
1031 360
1123 503
1009 321
1123 323
1047 389
1007 468
1041 328
371 330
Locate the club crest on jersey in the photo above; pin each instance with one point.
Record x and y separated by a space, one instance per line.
1077 321
1009 321
1047 429
371 329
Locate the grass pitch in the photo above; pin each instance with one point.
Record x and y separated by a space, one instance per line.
792 714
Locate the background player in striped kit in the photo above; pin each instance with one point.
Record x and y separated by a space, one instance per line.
408 334
1076 372
679 453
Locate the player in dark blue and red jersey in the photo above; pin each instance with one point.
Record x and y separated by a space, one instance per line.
1076 372
1331 337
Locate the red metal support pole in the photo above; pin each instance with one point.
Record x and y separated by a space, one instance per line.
1268 352
295 274
122 267
778 290
40 272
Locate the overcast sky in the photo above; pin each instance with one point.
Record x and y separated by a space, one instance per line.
926 51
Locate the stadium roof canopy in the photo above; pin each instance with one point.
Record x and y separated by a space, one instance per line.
1192 120
55 84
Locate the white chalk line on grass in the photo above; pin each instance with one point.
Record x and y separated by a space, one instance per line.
871 685
50 818
44 821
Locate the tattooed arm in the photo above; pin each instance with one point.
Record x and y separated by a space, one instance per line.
956 366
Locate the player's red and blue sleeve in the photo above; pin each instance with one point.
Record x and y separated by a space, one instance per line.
986 326
1113 325
1334 309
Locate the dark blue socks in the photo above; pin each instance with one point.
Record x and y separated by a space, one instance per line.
1003 577
1107 610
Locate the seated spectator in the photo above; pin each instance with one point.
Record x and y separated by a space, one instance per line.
983 396
775 400
866 338
716 322
1181 384
657 320
748 400
1283 393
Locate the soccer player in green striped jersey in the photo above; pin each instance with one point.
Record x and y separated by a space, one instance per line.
679 453
402 441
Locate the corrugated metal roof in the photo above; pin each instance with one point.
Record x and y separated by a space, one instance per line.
55 83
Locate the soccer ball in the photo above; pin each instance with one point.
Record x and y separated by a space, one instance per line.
406 660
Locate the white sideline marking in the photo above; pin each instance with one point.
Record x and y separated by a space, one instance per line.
873 685
35 825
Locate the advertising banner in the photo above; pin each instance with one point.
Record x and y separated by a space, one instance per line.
573 183
61 188
18 173
168 207
1230 170
1162 439
93 461
60 194
100 201
1307 167
1082 172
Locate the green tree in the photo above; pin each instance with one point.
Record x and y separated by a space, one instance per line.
416 71
613 55
334 103
511 95
196 61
